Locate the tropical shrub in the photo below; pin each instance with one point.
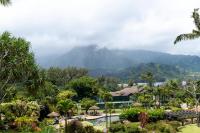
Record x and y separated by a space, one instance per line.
131 114
134 128
175 124
25 123
20 108
117 127
129 128
156 114
48 129
162 126
66 94
175 102
76 126
89 129
46 122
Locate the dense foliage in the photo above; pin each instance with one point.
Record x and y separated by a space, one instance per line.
161 72
60 77
132 114
17 65
158 127
84 87
86 103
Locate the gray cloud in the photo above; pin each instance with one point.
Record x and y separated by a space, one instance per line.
57 26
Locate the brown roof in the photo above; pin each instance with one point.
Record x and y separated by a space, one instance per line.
126 91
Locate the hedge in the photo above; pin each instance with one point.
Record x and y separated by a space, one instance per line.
132 114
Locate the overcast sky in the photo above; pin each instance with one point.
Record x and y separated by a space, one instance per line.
55 26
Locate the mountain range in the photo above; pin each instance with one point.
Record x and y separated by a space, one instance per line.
92 58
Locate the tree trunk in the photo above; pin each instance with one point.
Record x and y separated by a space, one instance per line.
197 112
66 125
86 111
106 118
110 117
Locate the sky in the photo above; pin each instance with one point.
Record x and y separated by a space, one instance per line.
56 26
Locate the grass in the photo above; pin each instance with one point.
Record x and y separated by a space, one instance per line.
116 110
192 128
100 126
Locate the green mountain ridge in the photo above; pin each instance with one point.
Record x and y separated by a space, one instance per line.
92 57
161 72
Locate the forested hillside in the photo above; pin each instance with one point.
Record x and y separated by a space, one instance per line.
92 57
161 72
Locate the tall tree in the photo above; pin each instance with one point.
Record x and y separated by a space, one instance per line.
60 76
84 87
66 94
106 96
17 63
64 106
5 2
148 77
195 32
86 103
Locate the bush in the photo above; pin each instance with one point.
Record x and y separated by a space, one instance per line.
117 127
161 126
131 114
77 127
48 129
129 128
25 123
47 122
156 114
175 124
89 129
134 128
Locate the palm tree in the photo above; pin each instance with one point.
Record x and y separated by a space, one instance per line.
5 2
109 107
195 32
106 96
64 106
148 77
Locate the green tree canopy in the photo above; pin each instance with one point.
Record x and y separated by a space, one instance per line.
19 108
109 83
60 76
105 96
84 87
66 94
64 106
17 63
86 103
148 77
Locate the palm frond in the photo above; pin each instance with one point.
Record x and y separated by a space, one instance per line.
195 16
189 36
196 32
5 2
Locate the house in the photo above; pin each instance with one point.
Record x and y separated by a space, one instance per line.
124 94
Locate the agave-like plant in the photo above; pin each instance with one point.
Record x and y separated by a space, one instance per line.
5 2
195 32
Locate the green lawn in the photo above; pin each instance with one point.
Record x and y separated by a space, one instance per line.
116 110
192 128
